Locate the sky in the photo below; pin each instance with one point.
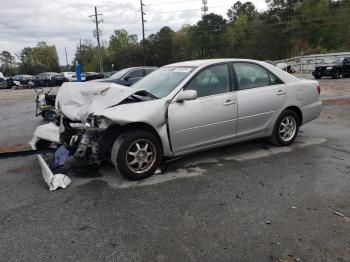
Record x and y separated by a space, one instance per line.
63 23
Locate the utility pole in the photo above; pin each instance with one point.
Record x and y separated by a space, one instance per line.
204 7
97 21
80 54
143 32
65 50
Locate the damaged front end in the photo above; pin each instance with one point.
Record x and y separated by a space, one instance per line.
83 139
77 131
70 138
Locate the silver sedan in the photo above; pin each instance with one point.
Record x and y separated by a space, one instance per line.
183 108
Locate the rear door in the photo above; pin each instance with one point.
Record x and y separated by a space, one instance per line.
260 95
209 119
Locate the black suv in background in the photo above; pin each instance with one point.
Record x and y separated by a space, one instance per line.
334 68
88 76
49 79
129 76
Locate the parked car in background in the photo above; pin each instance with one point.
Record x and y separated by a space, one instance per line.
22 81
180 109
286 67
109 74
3 83
49 79
9 81
88 76
129 76
70 76
335 68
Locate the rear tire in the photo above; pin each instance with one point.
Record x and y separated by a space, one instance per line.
3 84
286 129
136 154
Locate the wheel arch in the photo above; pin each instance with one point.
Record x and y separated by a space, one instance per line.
298 111
114 131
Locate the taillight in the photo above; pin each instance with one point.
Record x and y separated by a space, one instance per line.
319 89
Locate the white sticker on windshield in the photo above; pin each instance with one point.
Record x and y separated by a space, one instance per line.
182 70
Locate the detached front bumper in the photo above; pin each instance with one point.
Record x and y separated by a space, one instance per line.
46 135
48 132
70 137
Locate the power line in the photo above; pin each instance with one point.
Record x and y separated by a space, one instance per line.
272 24
176 2
159 11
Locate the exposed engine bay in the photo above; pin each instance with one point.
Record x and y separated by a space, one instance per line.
78 129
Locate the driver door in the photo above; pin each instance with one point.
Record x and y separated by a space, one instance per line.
208 120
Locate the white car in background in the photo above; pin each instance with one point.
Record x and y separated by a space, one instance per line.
70 76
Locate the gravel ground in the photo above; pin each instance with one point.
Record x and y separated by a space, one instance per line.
246 202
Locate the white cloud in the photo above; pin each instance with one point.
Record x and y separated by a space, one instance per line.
63 22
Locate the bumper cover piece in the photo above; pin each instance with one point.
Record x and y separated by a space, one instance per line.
53 181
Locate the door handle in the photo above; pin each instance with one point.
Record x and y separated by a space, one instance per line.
229 102
280 92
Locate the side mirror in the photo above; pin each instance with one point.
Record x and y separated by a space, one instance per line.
186 95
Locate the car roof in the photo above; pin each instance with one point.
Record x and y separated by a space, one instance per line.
203 62
140 67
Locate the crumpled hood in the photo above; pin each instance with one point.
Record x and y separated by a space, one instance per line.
77 100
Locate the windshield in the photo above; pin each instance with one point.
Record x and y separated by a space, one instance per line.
162 81
332 61
120 74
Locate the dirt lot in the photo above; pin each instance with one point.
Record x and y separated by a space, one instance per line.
246 202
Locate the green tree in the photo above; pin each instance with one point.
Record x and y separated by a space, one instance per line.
164 46
182 44
7 63
38 59
205 36
87 56
248 9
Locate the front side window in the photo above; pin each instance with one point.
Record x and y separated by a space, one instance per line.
252 76
120 74
211 81
149 70
136 73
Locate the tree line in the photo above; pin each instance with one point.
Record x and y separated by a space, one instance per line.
287 28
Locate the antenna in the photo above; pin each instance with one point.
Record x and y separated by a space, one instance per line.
204 7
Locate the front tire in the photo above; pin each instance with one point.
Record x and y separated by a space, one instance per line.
286 129
136 154
336 75
50 115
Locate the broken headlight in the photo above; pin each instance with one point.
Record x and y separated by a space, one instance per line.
97 122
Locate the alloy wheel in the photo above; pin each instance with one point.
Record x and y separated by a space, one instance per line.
141 155
287 128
